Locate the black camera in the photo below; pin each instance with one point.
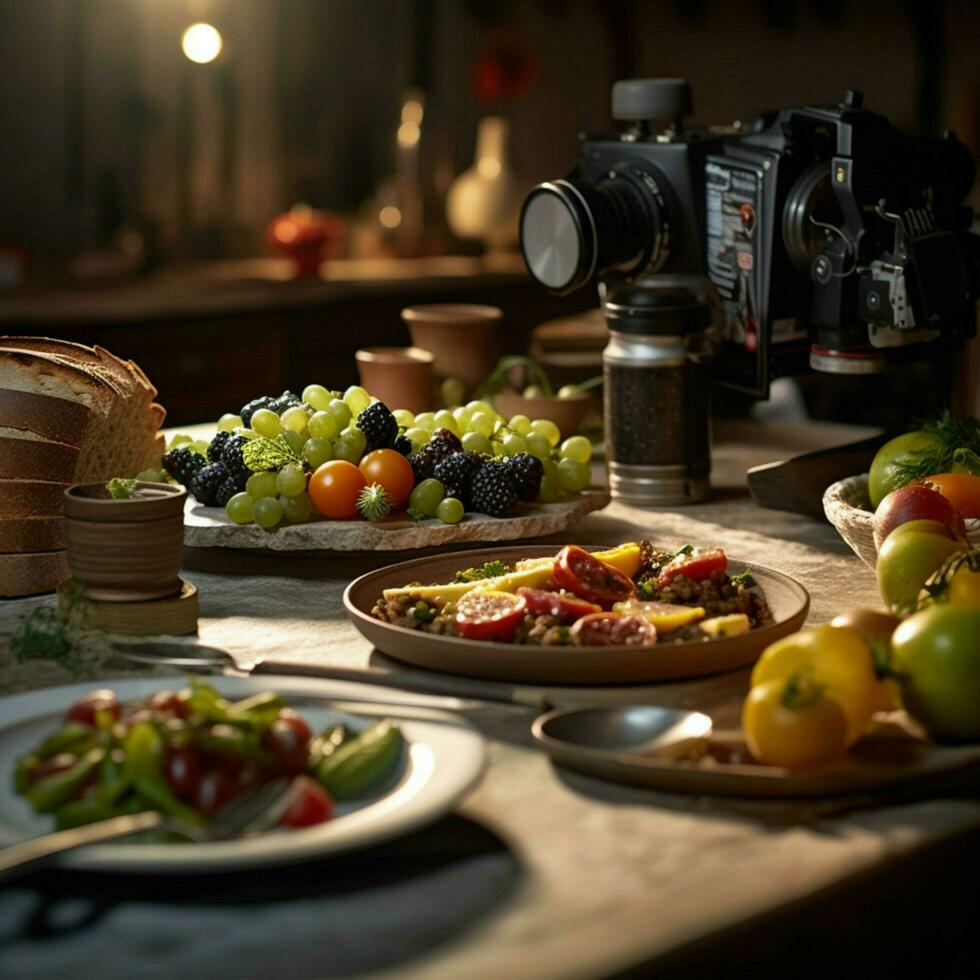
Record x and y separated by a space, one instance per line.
830 236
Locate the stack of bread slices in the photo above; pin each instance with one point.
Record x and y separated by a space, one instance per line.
68 414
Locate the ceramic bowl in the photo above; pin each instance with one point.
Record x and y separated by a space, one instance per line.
566 413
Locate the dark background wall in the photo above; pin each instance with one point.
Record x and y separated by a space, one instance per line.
103 119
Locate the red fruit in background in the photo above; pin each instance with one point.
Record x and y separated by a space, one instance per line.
916 503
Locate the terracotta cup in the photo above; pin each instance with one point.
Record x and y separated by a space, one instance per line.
401 377
125 550
463 337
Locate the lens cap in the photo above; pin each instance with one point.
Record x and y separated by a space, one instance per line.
659 311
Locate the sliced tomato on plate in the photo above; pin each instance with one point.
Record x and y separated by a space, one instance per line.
311 804
606 629
591 578
489 615
562 605
696 566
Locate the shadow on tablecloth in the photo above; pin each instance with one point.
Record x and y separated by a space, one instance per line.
343 916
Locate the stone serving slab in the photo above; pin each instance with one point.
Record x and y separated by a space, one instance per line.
210 527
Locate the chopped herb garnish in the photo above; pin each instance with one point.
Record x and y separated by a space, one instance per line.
120 489
686 550
646 589
492 569
262 454
744 578
423 612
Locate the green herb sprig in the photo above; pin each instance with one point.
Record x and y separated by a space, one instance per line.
951 434
492 569
120 489
263 454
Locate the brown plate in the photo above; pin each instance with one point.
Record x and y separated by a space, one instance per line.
788 601
891 754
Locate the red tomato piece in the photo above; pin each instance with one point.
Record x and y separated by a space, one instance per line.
562 605
170 703
311 804
83 711
182 770
214 790
289 741
591 578
489 615
696 566
612 629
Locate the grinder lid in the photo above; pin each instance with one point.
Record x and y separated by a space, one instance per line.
665 311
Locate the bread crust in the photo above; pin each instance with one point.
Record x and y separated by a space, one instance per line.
31 498
31 573
31 534
56 419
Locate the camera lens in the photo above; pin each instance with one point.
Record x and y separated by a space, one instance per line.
572 230
810 207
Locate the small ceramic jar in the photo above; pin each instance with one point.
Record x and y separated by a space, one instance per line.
401 377
125 550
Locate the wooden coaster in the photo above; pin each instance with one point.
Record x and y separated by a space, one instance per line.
173 616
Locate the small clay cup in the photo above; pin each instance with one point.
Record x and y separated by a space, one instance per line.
401 377
463 337
125 550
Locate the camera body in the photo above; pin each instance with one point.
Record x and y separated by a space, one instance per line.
830 237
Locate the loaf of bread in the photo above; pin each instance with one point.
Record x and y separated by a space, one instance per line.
68 414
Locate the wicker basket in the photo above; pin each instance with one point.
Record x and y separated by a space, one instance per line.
848 507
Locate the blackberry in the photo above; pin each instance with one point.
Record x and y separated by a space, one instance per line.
275 403
492 490
217 446
231 456
444 438
441 445
182 464
527 472
226 490
402 445
456 472
423 464
378 425
206 481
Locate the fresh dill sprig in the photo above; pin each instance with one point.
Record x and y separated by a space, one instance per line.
951 434
263 454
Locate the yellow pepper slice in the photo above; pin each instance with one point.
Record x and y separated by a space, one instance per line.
666 616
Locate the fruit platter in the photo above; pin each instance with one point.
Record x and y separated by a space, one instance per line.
343 471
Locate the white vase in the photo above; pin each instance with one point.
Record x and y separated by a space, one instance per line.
484 202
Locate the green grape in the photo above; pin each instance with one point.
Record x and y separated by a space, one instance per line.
426 496
316 451
450 510
247 433
445 420
426 420
229 422
452 391
357 399
323 425
548 429
339 412
538 445
569 391
180 439
576 447
317 397
295 418
343 448
480 406
574 475
152 476
297 508
291 480
474 442
462 415
267 512
295 440
239 508
418 437
266 423
521 424
550 490
356 438
199 446
511 444
261 485
404 417
482 422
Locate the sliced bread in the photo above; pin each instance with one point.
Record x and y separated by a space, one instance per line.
28 574
56 419
25 534
25 455
31 498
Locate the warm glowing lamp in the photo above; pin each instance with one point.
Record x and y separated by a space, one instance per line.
201 43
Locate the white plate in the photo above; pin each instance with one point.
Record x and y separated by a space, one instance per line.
444 758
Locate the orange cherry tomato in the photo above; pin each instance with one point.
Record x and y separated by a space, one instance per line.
392 470
335 487
962 490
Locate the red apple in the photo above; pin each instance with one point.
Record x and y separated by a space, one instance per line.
916 503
